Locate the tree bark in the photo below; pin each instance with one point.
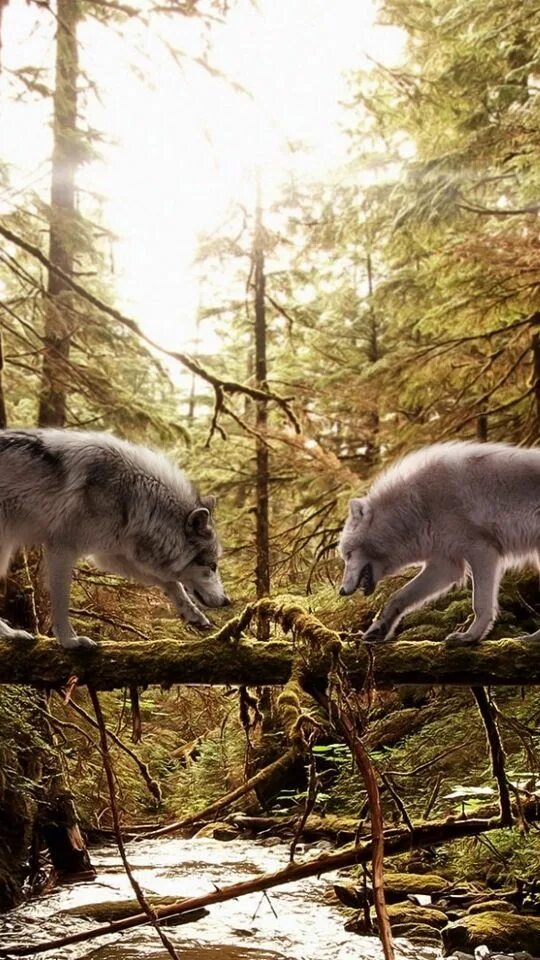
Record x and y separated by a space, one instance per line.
52 401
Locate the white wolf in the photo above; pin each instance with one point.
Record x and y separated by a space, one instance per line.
453 508
80 494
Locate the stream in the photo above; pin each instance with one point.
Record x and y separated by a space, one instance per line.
292 922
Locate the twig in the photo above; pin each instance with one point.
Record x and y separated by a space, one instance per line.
311 796
137 890
152 784
432 799
397 799
489 719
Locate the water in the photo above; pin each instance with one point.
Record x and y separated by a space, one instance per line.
288 923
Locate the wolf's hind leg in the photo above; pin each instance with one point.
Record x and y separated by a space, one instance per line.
486 572
60 569
436 578
7 632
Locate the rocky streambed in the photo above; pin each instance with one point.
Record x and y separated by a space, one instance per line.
322 918
455 917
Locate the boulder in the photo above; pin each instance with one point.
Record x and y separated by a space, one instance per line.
110 910
397 887
488 906
400 913
418 932
506 932
217 831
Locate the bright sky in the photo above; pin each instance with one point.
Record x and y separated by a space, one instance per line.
185 143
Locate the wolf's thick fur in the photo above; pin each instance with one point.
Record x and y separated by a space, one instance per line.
453 508
80 494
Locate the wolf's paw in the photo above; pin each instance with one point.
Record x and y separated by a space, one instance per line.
456 639
202 626
376 632
21 635
72 643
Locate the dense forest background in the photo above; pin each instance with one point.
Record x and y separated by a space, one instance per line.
392 303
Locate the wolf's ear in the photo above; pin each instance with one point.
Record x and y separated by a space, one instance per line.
359 508
198 522
209 501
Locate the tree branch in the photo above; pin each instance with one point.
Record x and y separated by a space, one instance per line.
218 385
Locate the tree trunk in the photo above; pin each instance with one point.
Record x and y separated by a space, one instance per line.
3 415
52 402
535 347
262 570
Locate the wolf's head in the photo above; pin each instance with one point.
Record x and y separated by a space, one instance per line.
201 576
362 549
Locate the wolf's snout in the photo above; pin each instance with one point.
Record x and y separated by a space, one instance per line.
343 592
226 602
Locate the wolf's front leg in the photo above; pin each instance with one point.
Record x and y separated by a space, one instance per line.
176 593
486 572
10 633
437 577
60 565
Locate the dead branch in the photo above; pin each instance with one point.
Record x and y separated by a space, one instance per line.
345 716
489 719
152 784
109 773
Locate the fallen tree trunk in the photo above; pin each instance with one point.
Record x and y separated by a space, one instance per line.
396 841
115 665
282 763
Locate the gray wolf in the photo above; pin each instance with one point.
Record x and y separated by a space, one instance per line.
455 509
79 494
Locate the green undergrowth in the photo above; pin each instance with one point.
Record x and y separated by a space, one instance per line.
23 749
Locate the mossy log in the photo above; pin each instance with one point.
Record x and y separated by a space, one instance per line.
115 665
229 657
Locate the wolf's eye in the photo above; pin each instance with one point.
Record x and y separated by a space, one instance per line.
213 567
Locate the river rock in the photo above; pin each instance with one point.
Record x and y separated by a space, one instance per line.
217 830
502 906
110 910
417 932
397 887
400 913
505 932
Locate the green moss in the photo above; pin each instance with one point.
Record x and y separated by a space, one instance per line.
428 883
499 931
418 933
502 906
412 913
